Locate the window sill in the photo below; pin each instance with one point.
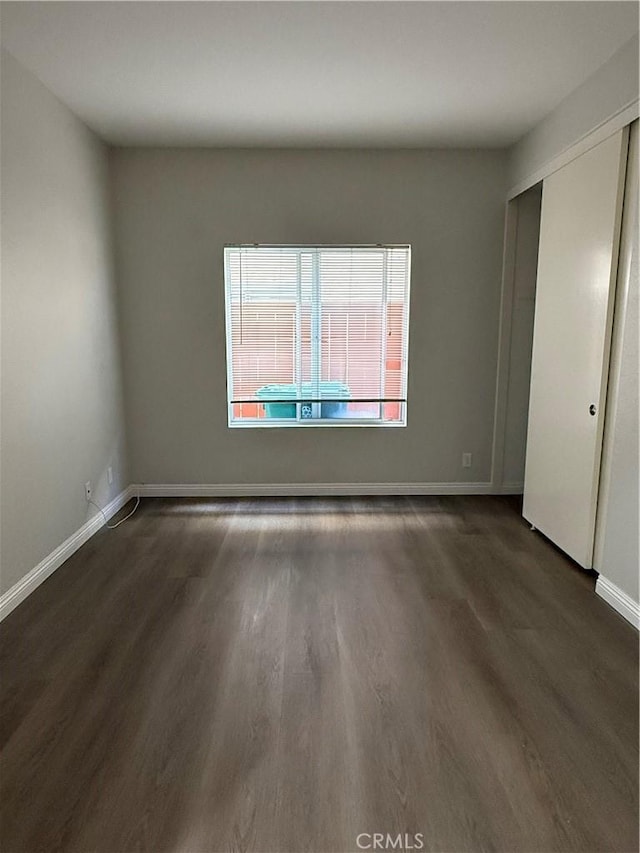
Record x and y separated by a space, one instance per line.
286 423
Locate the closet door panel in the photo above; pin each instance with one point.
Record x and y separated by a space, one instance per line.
577 262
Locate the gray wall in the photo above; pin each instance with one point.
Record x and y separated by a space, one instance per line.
174 211
618 532
612 88
62 421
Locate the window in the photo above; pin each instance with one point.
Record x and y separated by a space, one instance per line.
317 335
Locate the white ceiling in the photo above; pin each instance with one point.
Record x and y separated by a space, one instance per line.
400 74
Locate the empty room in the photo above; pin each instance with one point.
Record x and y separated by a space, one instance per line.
319 427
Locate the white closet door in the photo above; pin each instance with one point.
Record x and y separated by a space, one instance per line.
577 261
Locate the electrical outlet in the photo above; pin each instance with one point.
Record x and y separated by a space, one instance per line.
466 460
110 474
88 490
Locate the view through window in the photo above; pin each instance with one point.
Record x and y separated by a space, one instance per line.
317 335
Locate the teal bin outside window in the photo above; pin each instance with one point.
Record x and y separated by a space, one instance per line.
336 391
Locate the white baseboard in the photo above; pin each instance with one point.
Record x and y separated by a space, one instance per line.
254 490
26 585
619 600
508 489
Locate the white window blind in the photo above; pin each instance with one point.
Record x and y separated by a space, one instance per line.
317 334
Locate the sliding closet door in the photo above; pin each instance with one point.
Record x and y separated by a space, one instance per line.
579 235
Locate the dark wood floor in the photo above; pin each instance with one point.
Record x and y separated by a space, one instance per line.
282 675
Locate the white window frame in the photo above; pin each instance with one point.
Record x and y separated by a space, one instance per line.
310 423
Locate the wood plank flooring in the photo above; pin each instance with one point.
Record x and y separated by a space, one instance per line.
283 675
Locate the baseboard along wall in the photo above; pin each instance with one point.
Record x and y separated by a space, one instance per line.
26 585
255 490
619 600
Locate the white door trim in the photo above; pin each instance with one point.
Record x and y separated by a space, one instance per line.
621 118
504 341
